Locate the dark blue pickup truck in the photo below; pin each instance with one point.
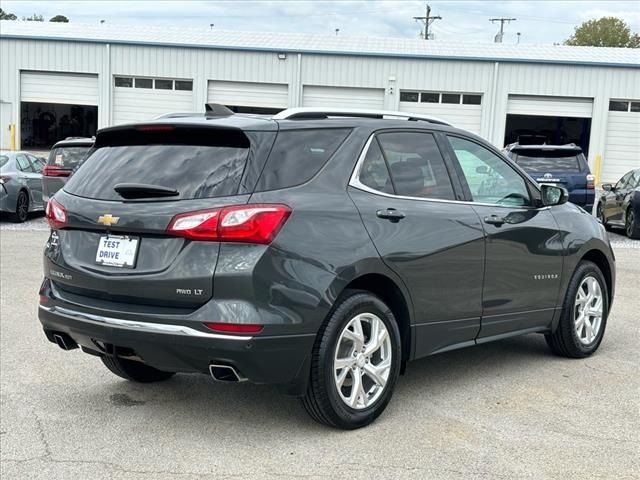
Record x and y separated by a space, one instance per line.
563 165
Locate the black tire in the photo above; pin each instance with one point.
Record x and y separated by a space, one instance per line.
22 208
631 227
134 371
564 340
600 214
322 400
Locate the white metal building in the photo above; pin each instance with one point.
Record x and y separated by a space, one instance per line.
69 79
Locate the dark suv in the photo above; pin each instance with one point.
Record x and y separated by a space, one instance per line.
319 251
563 165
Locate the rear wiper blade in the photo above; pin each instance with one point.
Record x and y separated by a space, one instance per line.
143 190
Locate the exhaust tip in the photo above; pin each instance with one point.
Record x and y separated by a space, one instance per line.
225 373
65 342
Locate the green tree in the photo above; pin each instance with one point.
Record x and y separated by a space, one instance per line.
34 18
604 32
59 18
7 16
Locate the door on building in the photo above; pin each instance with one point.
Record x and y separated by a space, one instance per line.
342 97
249 97
622 149
551 120
5 122
54 106
138 99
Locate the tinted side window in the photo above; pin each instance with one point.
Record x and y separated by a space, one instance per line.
374 172
36 163
416 165
489 177
622 183
297 155
23 164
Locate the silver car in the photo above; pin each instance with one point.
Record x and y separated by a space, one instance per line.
20 184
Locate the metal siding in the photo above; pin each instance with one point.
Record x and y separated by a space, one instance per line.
623 145
320 96
550 106
248 94
64 88
140 104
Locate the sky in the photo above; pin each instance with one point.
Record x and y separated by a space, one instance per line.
539 22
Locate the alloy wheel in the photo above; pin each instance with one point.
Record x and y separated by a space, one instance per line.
362 361
631 220
22 207
588 311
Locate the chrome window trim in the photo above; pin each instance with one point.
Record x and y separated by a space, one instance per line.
354 181
133 325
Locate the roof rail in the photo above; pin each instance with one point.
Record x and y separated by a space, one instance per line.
306 113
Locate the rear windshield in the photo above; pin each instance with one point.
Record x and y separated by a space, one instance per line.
68 157
548 162
194 171
3 160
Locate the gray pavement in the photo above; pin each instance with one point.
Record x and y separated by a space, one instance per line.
505 410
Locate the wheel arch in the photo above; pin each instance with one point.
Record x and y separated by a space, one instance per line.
600 259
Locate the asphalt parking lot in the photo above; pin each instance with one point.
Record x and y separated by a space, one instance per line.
505 410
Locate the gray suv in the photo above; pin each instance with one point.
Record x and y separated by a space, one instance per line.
316 250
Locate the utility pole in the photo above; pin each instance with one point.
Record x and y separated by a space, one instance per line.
502 20
427 20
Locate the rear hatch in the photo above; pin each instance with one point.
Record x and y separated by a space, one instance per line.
63 159
563 166
113 244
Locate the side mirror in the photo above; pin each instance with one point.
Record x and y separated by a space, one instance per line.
483 169
553 195
607 186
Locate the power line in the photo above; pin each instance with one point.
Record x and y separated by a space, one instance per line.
502 20
427 20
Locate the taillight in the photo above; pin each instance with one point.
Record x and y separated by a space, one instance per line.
591 182
4 179
55 171
56 215
259 223
234 327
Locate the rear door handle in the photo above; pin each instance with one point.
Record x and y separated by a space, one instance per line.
390 214
494 220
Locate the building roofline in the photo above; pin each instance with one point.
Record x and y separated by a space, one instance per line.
346 53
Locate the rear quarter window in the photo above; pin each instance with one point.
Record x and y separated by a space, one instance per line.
3 160
298 155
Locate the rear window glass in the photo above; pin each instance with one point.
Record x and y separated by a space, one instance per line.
171 159
3 160
548 162
297 155
67 157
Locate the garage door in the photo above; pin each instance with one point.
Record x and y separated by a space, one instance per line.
461 110
62 88
343 97
141 99
248 94
550 106
622 150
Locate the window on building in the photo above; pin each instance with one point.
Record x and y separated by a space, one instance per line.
618 106
124 82
409 96
144 83
472 99
635 106
164 84
450 98
184 85
429 97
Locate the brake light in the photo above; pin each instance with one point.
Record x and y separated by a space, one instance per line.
591 182
234 327
4 179
259 223
56 215
155 128
55 171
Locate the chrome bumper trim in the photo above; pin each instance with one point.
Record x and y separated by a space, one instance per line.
136 326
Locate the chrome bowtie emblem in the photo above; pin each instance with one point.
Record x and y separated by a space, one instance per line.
108 219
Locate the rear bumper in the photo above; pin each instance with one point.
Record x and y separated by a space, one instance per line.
280 360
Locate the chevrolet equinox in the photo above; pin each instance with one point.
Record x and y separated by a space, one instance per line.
316 250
